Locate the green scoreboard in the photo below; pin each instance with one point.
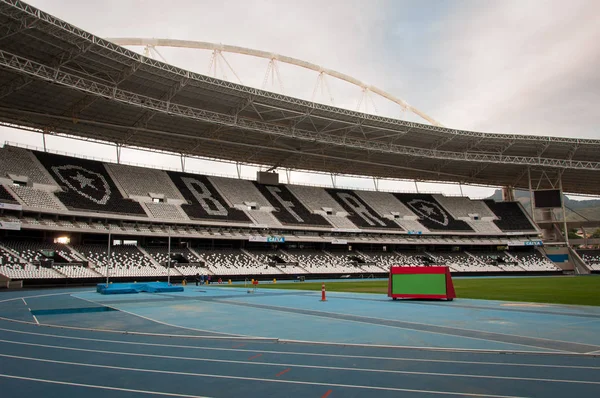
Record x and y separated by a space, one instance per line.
421 282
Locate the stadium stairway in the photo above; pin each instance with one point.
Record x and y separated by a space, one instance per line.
206 270
149 257
15 254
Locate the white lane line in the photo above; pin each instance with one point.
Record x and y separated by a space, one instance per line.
35 319
326 314
168 394
250 338
214 376
43 295
593 352
24 302
279 364
307 354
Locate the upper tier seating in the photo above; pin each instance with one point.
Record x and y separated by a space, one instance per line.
239 192
510 216
315 198
386 204
431 214
340 222
484 227
87 186
21 162
139 181
459 206
264 218
591 258
360 212
289 209
6 197
204 201
165 211
38 198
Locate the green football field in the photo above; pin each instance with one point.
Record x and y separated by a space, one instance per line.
579 290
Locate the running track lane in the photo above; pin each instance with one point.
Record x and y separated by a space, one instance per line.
40 361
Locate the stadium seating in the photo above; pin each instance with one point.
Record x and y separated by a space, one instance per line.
359 212
289 210
319 262
76 271
498 259
38 199
431 214
533 261
126 261
21 162
591 258
385 260
264 218
87 186
204 202
165 211
140 181
233 262
459 206
388 206
239 192
510 216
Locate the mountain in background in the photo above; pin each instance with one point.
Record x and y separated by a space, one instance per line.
577 210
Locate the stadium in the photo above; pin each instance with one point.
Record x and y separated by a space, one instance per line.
68 222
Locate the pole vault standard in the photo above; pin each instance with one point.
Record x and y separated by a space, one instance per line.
108 262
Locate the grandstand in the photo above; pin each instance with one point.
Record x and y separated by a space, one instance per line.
233 227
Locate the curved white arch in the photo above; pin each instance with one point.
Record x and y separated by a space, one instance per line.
202 45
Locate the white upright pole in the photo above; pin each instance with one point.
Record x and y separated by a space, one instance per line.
169 259
108 262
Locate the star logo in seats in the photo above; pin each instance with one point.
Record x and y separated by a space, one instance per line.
88 184
430 211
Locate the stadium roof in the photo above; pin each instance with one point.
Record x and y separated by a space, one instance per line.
57 78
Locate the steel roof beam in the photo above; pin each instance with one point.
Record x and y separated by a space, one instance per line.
79 83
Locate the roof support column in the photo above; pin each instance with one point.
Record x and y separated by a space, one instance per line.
508 194
119 147
376 183
183 159
238 167
564 213
288 175
44 140
461 191
334 180
530 194
416 186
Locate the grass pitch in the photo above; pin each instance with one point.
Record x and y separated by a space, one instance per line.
577 290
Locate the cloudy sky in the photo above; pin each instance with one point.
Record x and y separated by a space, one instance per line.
524 66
